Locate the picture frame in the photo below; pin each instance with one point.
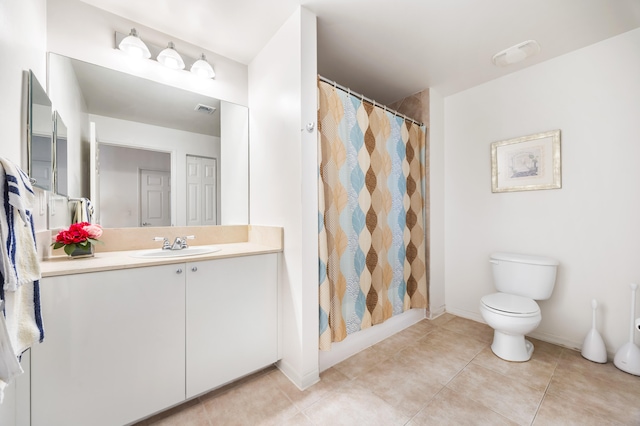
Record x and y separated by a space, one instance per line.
526 163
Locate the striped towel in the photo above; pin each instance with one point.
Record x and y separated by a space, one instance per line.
21 322
18 255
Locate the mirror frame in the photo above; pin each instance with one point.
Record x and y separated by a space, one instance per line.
32 84
57 124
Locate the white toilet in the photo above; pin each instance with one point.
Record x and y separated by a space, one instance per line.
512 312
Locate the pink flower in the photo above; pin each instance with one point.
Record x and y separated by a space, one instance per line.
93 231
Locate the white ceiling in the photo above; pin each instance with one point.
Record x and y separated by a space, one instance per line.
387 49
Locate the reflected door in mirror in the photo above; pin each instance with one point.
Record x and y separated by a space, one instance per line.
155 198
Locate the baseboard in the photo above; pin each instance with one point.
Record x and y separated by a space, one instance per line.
436 312
475 316
361 340
302 382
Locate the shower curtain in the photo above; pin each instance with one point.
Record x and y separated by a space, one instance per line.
371 214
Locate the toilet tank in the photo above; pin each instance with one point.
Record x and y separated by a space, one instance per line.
524 275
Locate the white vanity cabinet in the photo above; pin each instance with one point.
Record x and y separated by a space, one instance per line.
113 349
232 319
121 345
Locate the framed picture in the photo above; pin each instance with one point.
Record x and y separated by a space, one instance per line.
526 163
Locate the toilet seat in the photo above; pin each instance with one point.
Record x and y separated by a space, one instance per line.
510 305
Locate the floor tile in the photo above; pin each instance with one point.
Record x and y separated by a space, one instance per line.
535 373
394 344
447 343
555 411
354 405
501 394
601 389
450 408
401 384
425 326
360 362
258 402
298 420
433 365
330 380
473 329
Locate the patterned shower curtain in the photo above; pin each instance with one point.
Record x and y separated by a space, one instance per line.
371 214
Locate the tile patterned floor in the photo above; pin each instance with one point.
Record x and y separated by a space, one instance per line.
439 372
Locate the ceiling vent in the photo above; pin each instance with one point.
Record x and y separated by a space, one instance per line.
206 109
516 53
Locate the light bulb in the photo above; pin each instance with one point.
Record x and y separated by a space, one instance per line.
133 46
202 68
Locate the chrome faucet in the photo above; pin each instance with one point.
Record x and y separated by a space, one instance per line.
178 244
165 242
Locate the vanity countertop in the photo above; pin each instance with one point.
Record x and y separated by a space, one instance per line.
120 244
107 261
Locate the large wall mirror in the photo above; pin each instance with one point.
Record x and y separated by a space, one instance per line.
39 135
159 155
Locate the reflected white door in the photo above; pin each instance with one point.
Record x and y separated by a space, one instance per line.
155 198
202 191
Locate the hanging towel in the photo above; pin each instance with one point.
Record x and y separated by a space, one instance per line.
82 210
9 365
21 322
18 255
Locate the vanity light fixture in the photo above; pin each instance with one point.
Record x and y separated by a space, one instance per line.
202 68
132 45
516 53
170 58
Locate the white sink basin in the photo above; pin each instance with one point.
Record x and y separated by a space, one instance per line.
163 254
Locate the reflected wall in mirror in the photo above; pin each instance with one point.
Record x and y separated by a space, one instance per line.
145 203
139 116
60 159
39 135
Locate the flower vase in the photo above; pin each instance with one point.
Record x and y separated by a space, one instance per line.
81 252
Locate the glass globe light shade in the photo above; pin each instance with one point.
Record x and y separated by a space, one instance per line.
170 58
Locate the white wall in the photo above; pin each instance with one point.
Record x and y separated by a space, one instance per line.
283 180
234 167
591 225
129 133
23 28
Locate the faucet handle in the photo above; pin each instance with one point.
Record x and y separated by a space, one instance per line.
165 242
183 243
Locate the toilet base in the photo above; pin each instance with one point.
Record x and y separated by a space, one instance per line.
511 347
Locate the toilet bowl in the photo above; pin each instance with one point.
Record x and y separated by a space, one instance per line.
512 312
511 317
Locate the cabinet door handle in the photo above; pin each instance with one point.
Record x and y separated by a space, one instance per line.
194 269
179 271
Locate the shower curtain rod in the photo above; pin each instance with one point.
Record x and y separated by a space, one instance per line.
371 101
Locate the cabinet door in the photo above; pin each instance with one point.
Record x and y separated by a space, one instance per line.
113 349
232 317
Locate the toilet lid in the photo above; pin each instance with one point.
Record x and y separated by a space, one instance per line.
510 303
